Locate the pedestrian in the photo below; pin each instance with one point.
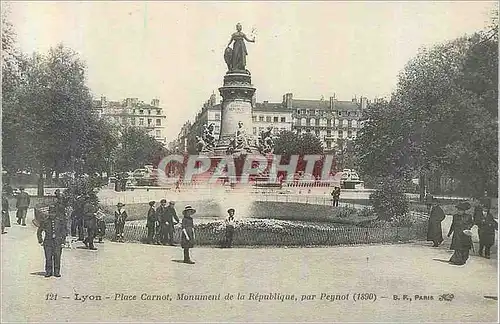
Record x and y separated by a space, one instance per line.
162 221
486 226
171 220
22 204
77 228
90 222
5 214
151 223
120 218
101 225
462 241
228 242
188 236
434 230
54 227
335 196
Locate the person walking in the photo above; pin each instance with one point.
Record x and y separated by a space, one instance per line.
5 214
486 226
336 196
171 220
461 241
151 223
188 236
54 227
90 222
228 242
77 228
22 205
434 230
120 218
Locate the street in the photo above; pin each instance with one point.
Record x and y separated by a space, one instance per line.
137 269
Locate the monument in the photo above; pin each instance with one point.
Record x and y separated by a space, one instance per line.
237 93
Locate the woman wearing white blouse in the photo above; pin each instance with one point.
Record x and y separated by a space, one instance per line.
229 228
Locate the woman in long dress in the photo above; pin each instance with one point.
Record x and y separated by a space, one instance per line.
188 236
462 241
239 52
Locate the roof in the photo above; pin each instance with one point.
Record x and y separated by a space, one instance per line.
324 104
270 107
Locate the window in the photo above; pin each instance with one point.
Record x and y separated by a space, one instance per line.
261 129
349 123
132 121
328 144
158 122
261 118
150 121
255 130
133 111
217 116
340 113
298 111
303 121
254 118
141 121
158 133
268 119
349 133
348 113
149 111
283 119
340 133
328 133
328 122
141 112
317 122
276 119
308 123
316 132
158 111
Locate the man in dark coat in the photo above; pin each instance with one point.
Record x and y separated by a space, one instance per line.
336 196
77 216
163 221
170 216
461 242
54 227
486 226
22 204
5 214
152 221
90 222
434 230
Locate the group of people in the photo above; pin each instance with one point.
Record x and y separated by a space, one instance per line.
22 204
460 229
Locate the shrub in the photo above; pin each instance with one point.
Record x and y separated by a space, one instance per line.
389 201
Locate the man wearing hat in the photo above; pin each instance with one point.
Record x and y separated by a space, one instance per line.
486 227
188 236
90 221
171 219
161 214
22 204
120 218
54 226
152 221
229 228
461 242
434 230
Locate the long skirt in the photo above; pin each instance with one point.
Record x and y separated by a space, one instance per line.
459 257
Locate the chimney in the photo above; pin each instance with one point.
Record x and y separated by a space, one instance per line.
364 103
289 99
332 102
212 99
103 101
155 102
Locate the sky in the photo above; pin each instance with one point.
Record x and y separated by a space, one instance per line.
173 51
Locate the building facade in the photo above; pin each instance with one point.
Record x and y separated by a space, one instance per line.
135 113
332 121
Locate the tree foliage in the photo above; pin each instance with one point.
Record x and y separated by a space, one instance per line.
290 143
442 117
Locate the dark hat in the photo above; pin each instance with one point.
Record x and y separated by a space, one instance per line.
152 203
230 210
21 188
120 204
171 202
463 205
188 210
163 201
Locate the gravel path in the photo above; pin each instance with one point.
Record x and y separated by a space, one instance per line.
136 269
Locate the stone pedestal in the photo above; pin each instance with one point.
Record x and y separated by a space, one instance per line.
237 93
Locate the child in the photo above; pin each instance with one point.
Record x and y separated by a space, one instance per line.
120 218
229 228
188 237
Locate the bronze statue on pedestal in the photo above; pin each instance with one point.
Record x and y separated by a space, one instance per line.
236 57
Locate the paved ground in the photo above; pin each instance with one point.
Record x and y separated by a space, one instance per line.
135 269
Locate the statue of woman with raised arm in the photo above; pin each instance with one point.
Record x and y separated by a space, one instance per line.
236 58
